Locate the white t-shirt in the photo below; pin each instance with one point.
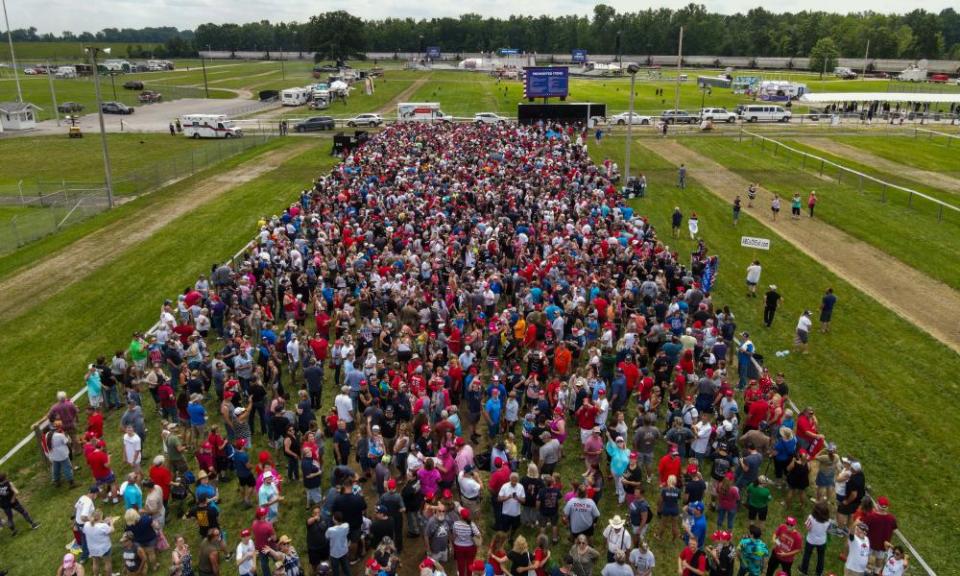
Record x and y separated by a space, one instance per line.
817 531
617 539
753 274
132 448
702 442
344 407
246 567
469 487
511 507
642 562
893 566
98 538
84 507
858 554
804 323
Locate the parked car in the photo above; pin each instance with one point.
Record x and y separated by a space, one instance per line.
69 107
315 124
30 71
116 108
679 117
488 118
623 118
133 85
150 96
718 115
365 120
765 113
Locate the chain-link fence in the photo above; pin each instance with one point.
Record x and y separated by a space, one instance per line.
45 207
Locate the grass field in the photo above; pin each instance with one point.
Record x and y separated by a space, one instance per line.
882 224
924 152
55 158
27 255
38 52
838 377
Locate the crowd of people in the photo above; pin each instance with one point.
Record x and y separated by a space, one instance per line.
526 380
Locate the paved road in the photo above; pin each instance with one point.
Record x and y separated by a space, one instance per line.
151 117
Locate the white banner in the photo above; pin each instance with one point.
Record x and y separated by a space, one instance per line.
758 243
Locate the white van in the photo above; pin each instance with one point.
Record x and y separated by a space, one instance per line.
764 113
421 112
294 96
209 126
66 72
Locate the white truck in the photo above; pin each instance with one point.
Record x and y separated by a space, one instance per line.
209 126
294 96
421 112
66 72
913 74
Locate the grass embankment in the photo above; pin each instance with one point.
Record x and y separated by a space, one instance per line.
885 225
924 151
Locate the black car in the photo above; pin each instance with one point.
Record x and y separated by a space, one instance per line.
69 107
133 85
116 108
679 117
316 123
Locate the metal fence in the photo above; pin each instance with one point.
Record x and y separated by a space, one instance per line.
50 206
865 184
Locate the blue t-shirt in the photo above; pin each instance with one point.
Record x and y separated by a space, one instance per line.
197 413
493 409
699 529
240 460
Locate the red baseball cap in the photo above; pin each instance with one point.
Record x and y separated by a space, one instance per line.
392 484
425 428
791 521
883 502
373 564
459 441
465 513
498 461
478 566
245 532
692 469
261 512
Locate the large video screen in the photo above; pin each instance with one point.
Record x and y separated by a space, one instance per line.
547 82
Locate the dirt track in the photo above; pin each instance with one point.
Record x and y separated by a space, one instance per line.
403 96
881 276
21 292
935 179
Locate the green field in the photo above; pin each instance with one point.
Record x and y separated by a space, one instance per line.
882 224
923 152
64 52
56 158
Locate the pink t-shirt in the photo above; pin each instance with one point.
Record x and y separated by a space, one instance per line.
593 444
428 480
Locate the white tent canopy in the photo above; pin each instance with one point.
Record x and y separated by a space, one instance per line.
902 97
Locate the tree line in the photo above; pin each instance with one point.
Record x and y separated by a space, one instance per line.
758 32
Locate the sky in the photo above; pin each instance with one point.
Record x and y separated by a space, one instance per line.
58 15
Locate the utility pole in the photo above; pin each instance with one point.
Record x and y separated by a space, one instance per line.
866 56
283 72
108 179
679 67
53 93
13 55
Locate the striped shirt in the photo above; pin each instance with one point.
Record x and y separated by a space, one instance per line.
464 532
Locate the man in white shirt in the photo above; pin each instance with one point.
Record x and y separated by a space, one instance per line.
511 496
803 331
642 560
84 508
753 278
246 554
702 430
617 537
470 488
344 407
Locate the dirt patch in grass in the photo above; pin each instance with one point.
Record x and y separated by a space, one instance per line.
927 303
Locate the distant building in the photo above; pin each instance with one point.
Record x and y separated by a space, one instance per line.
17 116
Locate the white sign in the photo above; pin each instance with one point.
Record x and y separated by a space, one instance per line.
758 243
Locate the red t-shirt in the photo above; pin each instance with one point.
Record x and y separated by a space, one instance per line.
881 527
262 532
162 478
99 462
669 466
788 540
587 416
95 424
319 347
500 477
757 413
687 556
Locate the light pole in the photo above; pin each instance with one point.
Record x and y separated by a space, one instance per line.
203 64
108 179
13 56
283 72
632 69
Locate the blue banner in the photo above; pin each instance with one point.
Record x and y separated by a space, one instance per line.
509 51
578 55
433 52
709 273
